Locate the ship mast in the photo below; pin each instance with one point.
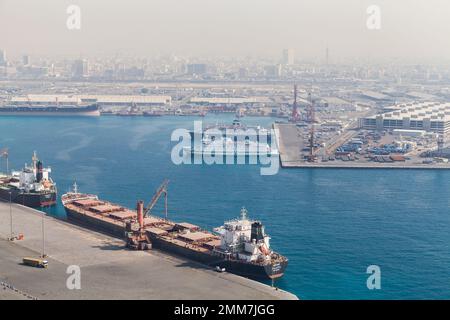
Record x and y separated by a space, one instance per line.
244 213
75 187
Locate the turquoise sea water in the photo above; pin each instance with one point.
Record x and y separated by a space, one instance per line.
331 224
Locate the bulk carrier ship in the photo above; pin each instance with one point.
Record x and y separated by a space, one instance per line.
47 105
240 246
31 187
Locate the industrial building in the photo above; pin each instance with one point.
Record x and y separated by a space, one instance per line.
428 116
228 101
127 100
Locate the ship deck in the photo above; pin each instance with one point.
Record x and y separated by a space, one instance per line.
184 235
165 229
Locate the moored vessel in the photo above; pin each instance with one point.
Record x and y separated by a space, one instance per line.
240 246
47 105
50 110
31 187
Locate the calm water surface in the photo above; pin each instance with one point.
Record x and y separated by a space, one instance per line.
331 224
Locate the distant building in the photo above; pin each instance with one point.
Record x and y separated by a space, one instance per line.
131 73
2 57
243 72
35 71
26 60
272 71
197 68
428 116
80 68
288 57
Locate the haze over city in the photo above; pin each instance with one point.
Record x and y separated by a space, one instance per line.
415 30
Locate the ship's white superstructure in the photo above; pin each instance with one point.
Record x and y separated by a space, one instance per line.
227 146
245 239
74 195
33 178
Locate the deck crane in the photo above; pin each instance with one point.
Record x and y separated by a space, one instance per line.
159 192
136 236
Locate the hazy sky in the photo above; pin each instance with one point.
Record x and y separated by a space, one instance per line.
410 29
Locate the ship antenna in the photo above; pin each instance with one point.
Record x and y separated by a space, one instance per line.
75 187
34 159
244 213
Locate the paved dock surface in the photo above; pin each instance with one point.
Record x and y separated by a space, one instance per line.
108 270
291 144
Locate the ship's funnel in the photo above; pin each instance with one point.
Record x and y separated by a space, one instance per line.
140 214
39 171
257 232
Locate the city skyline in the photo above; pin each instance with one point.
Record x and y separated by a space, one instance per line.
412 30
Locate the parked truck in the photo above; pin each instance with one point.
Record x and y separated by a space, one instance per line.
35 262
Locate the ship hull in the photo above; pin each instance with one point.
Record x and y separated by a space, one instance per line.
91 110
95 224
250 270
29 199
152 115
51 113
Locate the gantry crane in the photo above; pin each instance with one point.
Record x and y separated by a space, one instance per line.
312 119
295 116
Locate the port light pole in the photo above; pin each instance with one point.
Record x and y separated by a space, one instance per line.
11 238
43 234
4 153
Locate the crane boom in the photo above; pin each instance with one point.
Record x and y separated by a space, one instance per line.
159 192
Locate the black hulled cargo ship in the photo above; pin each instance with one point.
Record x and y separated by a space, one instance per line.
31 187
239 246
50 110
48 105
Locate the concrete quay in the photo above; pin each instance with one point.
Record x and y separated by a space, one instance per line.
108 270
290 145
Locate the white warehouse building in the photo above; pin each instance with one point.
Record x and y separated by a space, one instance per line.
427 116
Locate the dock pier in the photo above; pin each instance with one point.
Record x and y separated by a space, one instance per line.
108 269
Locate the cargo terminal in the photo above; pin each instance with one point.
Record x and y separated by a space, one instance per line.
428 116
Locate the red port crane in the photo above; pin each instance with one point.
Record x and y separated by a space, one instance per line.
295 117
137 238
312 119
